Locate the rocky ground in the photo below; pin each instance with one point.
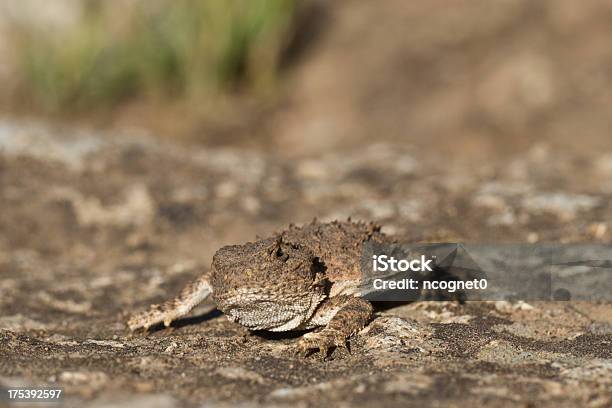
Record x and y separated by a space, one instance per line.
443 121
97 226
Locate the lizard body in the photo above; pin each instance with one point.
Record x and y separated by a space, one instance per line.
301 278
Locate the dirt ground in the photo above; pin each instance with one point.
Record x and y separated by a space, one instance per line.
442 121
95 227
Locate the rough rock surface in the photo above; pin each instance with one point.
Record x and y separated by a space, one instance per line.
94 227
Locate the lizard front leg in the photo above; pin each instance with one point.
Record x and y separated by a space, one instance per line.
190 297
342 317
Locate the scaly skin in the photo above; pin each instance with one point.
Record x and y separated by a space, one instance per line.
301 278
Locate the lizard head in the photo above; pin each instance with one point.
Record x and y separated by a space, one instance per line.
268 284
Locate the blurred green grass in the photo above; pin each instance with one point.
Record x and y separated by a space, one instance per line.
163 49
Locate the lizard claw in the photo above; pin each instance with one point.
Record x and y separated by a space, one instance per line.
150 318
322 341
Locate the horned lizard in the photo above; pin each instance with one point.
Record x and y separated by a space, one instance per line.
299 279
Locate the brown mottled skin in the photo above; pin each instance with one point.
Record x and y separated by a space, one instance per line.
301 278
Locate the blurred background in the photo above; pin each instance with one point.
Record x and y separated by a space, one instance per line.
137 137
468 77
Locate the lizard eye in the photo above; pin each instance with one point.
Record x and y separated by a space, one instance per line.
281 254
